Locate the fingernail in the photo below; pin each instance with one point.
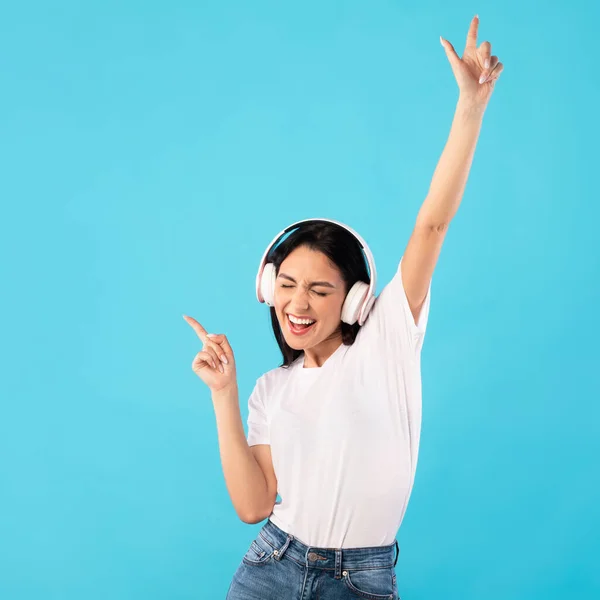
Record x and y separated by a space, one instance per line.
441 40
482 78
211 335
487 63
224 359
221 368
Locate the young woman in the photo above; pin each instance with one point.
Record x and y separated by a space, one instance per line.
335 429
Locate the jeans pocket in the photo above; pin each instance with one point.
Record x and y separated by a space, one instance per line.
259 552
372 584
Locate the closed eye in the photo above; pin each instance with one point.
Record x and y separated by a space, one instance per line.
290 286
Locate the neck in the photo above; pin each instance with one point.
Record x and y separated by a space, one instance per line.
316 356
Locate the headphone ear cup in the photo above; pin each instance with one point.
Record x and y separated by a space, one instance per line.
354 301
267 284
365 311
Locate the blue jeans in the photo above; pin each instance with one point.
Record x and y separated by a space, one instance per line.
279 567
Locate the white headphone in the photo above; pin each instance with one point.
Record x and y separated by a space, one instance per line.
359 299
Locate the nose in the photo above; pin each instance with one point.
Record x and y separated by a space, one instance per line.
300 298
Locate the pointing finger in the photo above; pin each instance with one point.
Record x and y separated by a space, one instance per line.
472 35
200 331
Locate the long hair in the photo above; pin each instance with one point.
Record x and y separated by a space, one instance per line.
342 249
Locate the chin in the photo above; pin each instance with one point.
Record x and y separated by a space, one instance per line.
294 345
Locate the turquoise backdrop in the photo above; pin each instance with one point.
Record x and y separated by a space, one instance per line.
151 150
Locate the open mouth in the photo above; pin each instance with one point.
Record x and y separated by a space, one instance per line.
299 328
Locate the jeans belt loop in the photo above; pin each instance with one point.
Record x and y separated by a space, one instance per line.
282 550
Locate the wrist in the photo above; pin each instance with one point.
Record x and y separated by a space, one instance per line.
470 108
228 392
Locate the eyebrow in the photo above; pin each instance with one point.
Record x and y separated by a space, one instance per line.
323 283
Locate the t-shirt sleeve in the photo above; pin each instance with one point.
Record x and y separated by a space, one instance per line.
391 316
258 422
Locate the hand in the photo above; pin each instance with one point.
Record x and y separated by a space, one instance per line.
215 363
477 72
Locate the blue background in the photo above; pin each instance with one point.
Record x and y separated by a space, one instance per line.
149 153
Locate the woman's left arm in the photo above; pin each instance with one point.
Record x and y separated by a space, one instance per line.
476 73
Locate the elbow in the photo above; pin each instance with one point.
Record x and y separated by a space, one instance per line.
256 516
430 225
252 518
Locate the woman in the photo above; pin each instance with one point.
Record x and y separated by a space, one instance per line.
335 429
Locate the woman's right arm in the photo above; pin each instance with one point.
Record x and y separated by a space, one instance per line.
248 471
249 474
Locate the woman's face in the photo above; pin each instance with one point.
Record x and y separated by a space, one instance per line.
309 286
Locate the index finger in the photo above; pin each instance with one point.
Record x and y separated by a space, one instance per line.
200 331
472 35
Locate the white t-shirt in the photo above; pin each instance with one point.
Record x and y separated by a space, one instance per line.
344 437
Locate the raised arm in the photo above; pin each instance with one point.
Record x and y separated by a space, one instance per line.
476 73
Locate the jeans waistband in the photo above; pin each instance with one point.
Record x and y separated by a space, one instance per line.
335 559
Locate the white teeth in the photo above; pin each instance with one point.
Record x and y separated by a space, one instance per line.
300 321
